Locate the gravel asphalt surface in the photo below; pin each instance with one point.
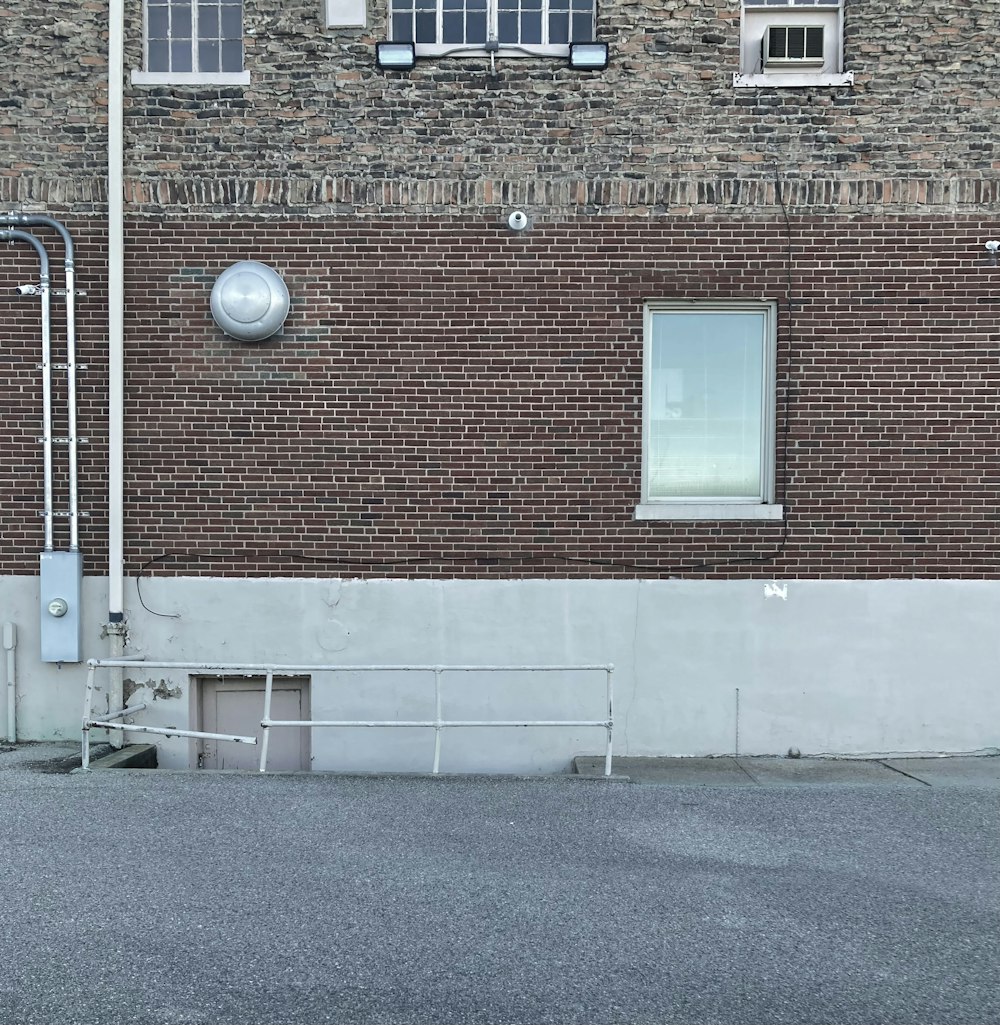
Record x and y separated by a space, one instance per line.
153 897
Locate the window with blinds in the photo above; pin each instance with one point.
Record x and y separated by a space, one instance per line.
709 401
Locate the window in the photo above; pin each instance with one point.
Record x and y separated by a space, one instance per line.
792 43
708 411
539 26
193 41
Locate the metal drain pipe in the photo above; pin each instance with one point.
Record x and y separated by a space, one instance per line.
69 264
42 289
116 328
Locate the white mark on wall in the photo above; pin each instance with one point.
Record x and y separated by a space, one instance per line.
776 590
332 635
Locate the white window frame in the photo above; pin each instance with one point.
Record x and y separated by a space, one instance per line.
756 507
346 14
492 20
755 18
144 77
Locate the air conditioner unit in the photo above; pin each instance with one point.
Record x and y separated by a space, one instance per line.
792 46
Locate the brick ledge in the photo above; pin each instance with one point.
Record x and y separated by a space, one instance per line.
596 196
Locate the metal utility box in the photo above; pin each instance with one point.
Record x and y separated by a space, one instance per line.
61 623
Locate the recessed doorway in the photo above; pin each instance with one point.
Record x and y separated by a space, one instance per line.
236 705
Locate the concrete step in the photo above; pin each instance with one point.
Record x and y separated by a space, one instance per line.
132 756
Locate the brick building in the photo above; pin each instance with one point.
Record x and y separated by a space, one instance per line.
718 409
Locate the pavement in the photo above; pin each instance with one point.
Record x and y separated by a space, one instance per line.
973 770
139 896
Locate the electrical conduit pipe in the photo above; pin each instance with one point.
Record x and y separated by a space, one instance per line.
34 220
12 235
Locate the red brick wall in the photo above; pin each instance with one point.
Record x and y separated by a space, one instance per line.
450 399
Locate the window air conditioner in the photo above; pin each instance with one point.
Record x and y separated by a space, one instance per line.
792 46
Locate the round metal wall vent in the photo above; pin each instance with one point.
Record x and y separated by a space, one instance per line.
249 301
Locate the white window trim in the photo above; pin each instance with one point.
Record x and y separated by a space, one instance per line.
796 80
190 77
506 49
474 50
792 79
708 511
346 14
761 507
142 77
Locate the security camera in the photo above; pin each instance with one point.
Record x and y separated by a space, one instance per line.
27 289
992 246
517 221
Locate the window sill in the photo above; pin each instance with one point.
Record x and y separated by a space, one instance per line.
190 78
707 511
792 80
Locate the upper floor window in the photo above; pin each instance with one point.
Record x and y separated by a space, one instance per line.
192 41
792 43
438 27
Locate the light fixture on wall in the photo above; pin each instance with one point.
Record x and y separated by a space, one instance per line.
395 56
993 248
391 56
588 56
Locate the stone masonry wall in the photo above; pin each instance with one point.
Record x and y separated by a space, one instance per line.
321 132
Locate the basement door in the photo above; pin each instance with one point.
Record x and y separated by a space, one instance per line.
236 706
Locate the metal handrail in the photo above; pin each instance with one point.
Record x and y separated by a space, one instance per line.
438 723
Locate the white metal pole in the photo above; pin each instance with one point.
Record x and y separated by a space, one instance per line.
125 711
9 645
116 303
71 431
87 710
437 715
266 721
611 719
169 731
116 353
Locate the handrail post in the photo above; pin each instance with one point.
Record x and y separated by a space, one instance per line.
438 670
87 703
609 672
265 722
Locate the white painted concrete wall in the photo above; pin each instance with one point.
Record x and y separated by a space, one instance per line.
849 667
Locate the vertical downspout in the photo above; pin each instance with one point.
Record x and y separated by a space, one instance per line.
116 394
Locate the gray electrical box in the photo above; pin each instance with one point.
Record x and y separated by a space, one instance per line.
61 625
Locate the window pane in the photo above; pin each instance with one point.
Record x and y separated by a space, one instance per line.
159 55
426 27
453 27
402 27
157 23
180 56
208 57
507 27
232 56
583 28
706 405
232 22
531 27
476 27
208 21
559 28
180 21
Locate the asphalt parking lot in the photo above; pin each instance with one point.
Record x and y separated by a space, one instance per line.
155 897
